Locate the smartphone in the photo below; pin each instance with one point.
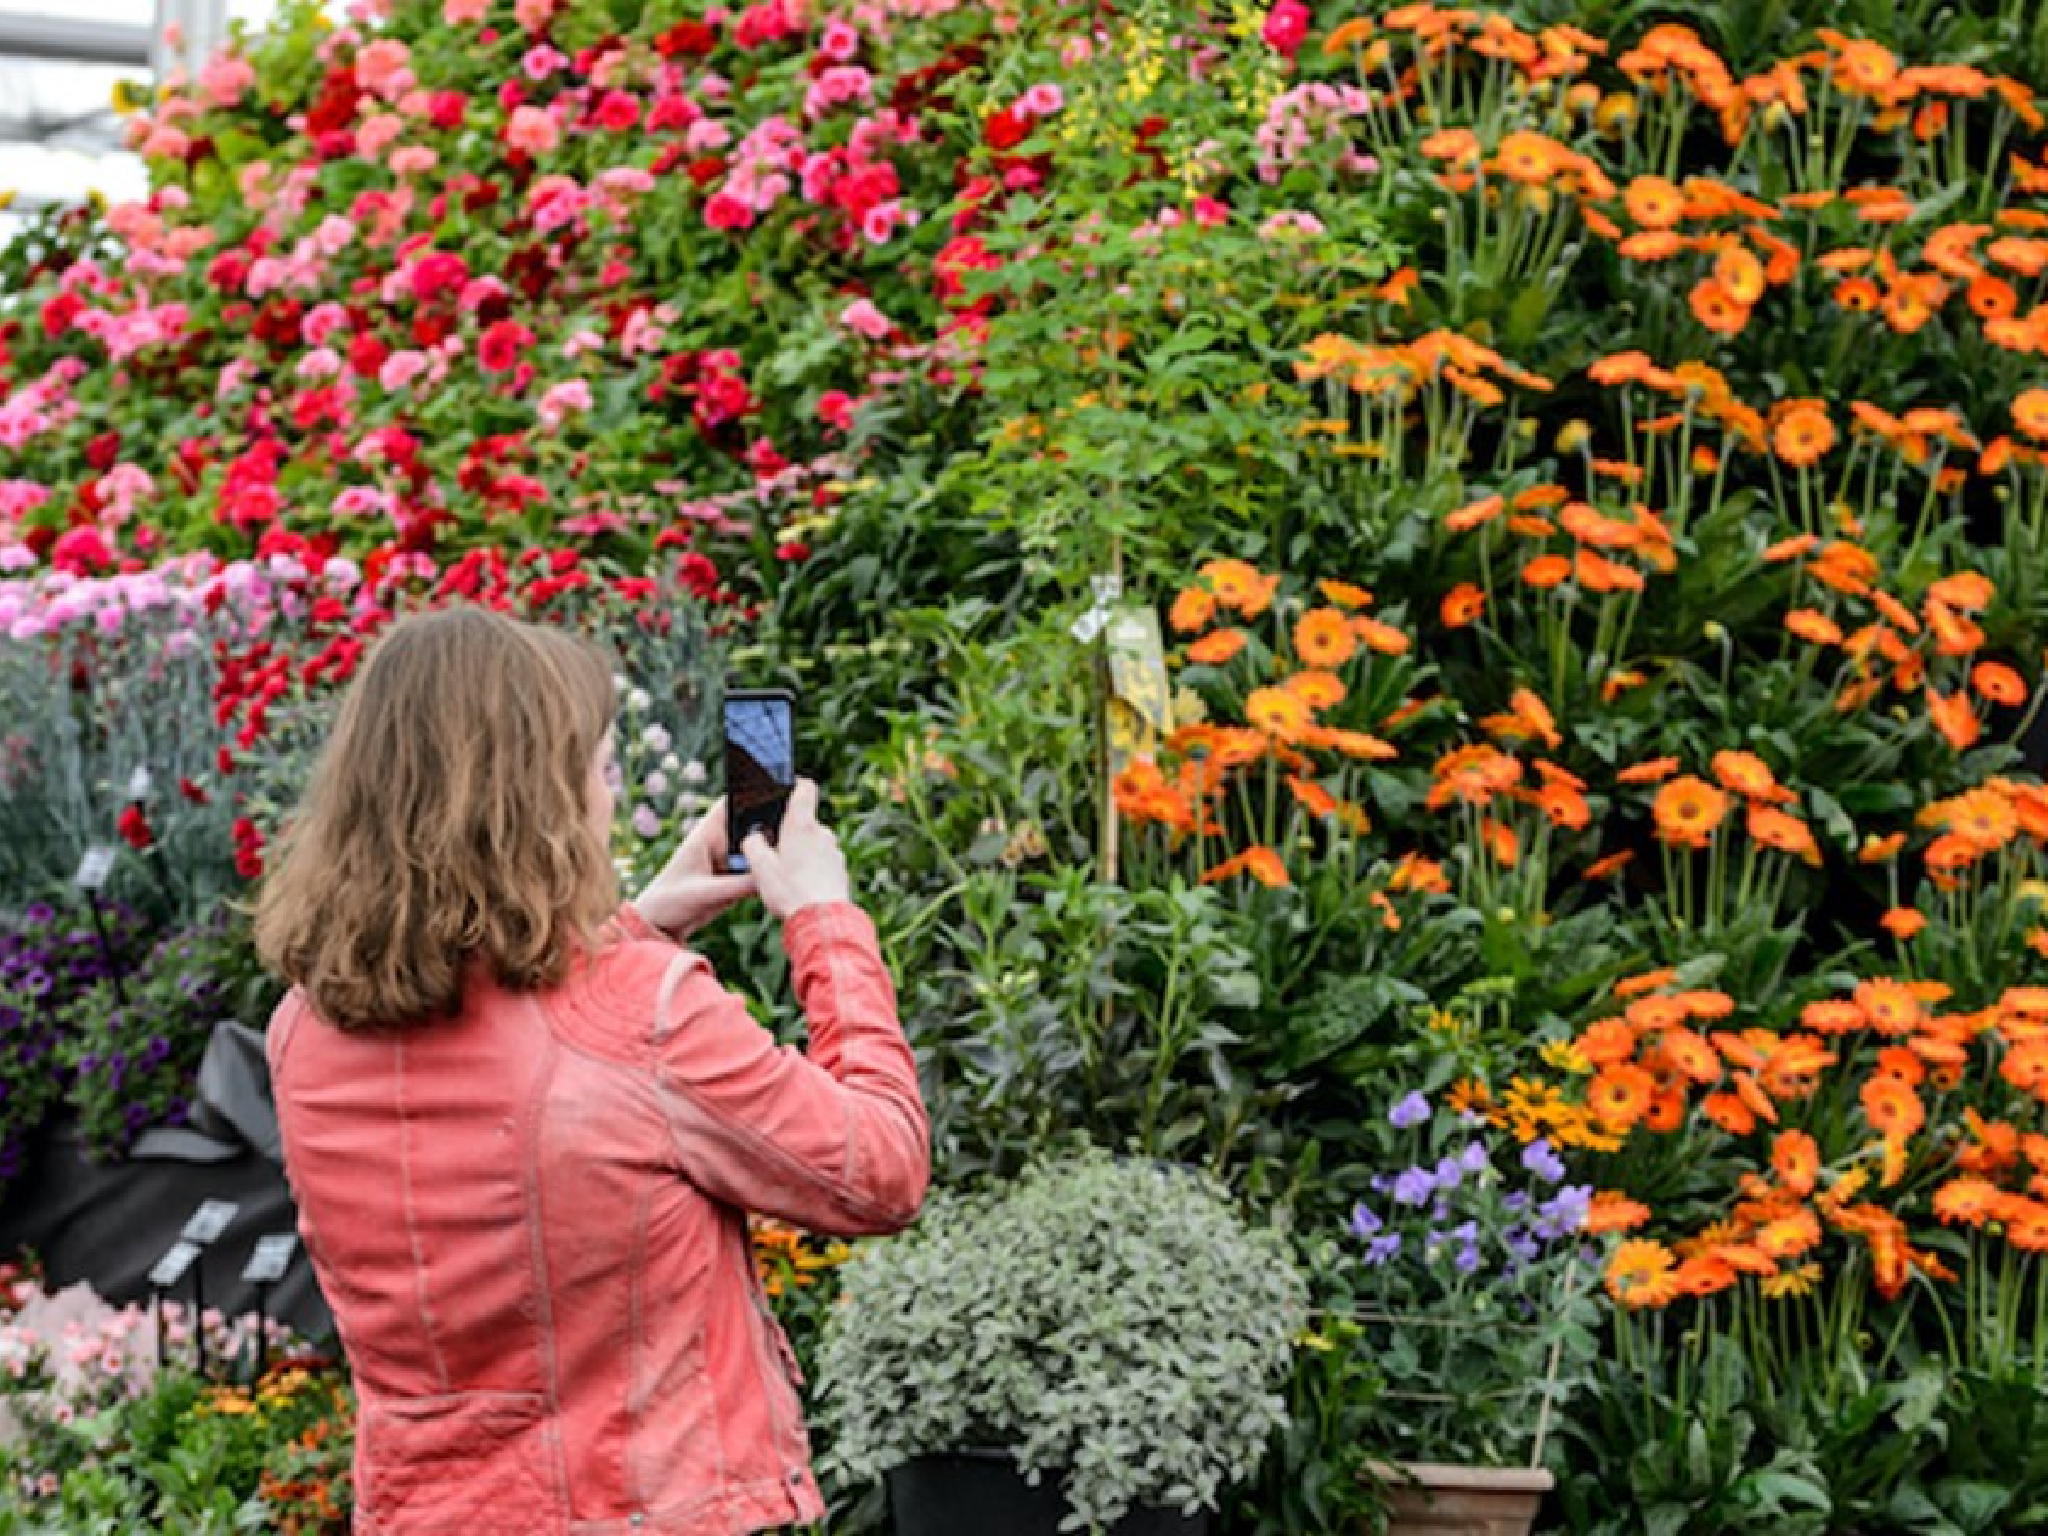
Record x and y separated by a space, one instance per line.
760 765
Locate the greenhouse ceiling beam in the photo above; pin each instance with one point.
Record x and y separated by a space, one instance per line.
73 39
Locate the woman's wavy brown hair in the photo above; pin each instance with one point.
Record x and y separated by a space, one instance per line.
445 823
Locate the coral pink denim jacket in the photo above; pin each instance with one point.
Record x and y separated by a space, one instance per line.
531 1224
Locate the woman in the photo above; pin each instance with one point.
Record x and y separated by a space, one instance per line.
524 1125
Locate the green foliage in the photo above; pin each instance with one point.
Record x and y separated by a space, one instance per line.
1115 1324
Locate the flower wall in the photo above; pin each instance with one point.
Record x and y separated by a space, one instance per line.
1586 477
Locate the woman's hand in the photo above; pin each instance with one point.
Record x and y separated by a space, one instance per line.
803 867
694 886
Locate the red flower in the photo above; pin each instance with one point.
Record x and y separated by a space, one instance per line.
1286 27
437 273
617 111
192 792
134 828
1006 129
81 551
500 345
59 312
687 39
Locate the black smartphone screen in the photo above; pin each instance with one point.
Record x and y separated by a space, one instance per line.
760 765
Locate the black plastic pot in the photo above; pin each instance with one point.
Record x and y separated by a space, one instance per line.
981 1493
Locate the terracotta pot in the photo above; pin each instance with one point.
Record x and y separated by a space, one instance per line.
1429 1499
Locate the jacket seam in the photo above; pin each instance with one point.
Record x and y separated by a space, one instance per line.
544 1311
422 1292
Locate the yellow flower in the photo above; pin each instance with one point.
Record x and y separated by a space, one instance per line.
1791 1282
1565 1056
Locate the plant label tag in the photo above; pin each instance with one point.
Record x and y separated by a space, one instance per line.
138 783
1140 705
170 1269
94 868
209 1221
269 1258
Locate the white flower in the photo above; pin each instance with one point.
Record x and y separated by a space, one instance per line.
694 772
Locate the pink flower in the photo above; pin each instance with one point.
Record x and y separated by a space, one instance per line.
458 13
862 317
400 369
378 133
705 135
840 42
618 111
561 399
1286 28
383 68
224 79
1043 100
1210 214
1290 222
532 131
534 15
724 211
879 222
542 60
413 160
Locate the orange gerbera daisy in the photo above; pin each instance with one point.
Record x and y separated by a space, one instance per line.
1653 770
1379 636
2030 413
1969 1200
1193 608
1688 810
1749 776
1903 923
1891 1007
1788 834
1999 683
1810 624
1738 271
1610 864
1619 1094
1802 435
1970 591
1214 650
1954 718
1258 861
1789 1235
1797 1161
1691 1055
1280 714
1343 593
1613 1211
1475 513
1728 1112
1323 638
1547 571
1717 309
1642 1273
1653 202
1462 605
1234 582
1892 1107
1858 295
1318 690
1607 1041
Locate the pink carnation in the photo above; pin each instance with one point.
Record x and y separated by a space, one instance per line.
555 405
532 131
862 317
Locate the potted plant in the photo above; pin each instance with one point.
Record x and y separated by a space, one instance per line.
1466 1282
1099 1346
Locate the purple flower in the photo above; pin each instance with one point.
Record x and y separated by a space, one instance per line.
1516 1203
1363 1222
1519 1242
1564 1213
1412 1110
1413 1186
1540 1160
1467 1259
1474 1157
1450 1172
1382 1248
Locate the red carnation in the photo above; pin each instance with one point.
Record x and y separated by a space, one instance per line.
501 344
1286 28
617 111
687 39
59 312
134 829
1006 129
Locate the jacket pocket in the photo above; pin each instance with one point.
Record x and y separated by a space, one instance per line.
441 1463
